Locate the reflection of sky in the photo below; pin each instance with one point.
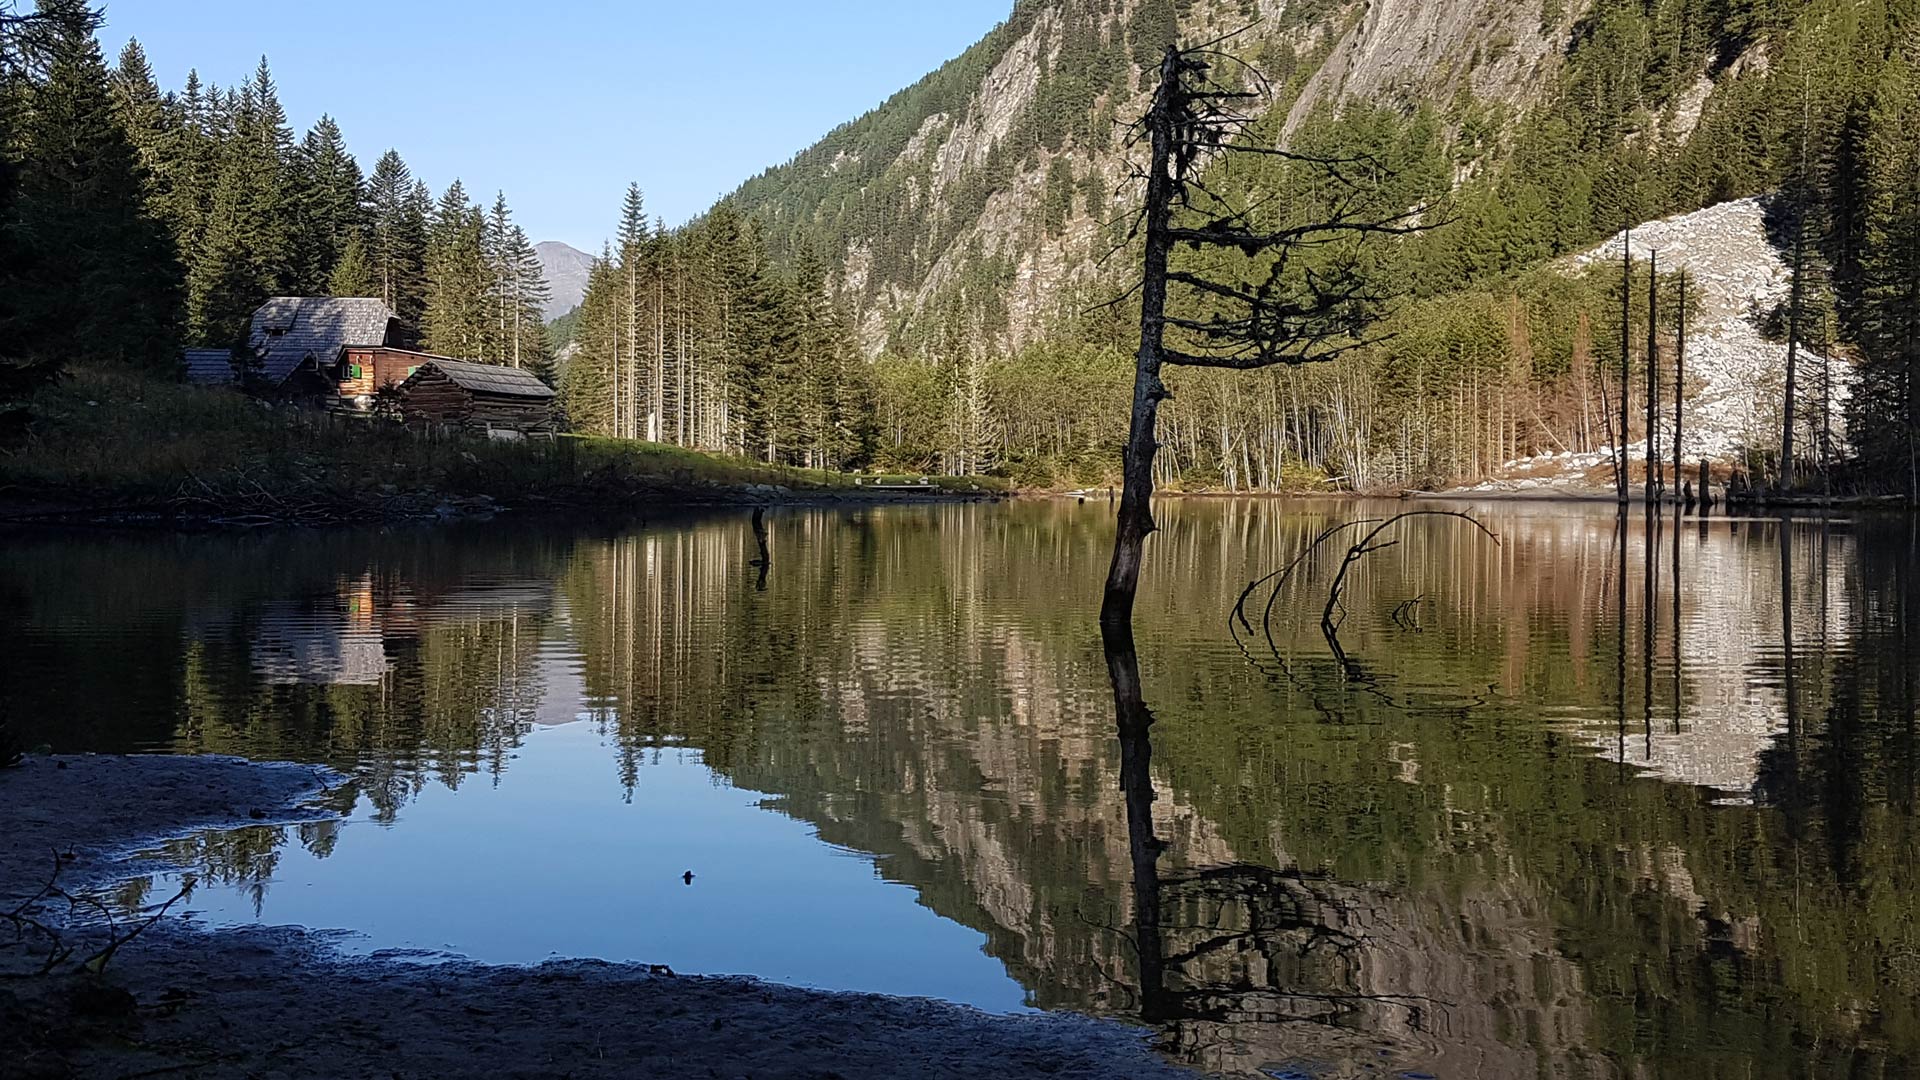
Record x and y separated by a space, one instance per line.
553 862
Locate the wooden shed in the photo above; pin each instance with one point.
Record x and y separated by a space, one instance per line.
479 397
366 369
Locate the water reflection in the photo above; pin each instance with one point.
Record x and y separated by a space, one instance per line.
1596 823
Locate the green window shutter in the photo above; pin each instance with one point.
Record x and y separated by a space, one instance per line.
354 371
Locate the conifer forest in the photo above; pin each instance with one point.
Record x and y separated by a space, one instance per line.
1191 538
903 296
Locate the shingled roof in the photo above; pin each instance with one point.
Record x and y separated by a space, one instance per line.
288 329
208 367
488 378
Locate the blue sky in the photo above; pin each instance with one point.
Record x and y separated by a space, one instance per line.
561 103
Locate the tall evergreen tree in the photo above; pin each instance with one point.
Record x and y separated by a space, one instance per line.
455 322
396 240
587 382
1886 406
327 197
103 280
353 273
146 118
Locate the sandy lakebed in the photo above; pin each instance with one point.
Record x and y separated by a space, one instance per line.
183 1000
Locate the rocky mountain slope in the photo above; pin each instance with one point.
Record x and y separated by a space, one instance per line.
1735 373
988 187
565 268
1735 370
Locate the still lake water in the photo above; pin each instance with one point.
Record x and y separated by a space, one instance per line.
1557 817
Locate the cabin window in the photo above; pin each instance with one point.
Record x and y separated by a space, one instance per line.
355 371
412 369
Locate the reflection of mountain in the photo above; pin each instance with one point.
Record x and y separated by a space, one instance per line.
926 684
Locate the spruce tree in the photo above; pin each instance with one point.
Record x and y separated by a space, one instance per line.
1885 408
455 321
527 302
104 280
148 123
190 152
353 273
262 150
396 241
21 369
327 196
586 381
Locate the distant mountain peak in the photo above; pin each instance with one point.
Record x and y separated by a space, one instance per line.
565 268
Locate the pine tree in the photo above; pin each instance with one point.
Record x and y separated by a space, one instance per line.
630 385
103 285
262 150
21 367
517 293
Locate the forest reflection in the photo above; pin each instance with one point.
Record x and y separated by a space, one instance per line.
1632 797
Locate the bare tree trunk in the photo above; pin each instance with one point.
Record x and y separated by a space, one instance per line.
1679 392
1626 378
1787 406
1135 520
1654 479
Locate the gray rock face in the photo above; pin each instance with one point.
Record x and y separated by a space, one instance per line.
565 268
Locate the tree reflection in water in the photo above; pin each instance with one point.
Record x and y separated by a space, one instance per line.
1237 954
1556 876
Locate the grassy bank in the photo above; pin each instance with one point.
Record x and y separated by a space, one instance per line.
120 445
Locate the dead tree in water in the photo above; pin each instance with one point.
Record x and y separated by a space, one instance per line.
1654 481
1298 314
1681 492
1626 353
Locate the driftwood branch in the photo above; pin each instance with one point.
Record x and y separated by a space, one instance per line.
1367 544
26 922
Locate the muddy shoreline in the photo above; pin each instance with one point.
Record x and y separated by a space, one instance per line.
279 1002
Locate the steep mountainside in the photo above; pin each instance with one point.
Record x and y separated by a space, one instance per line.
565 268
987 187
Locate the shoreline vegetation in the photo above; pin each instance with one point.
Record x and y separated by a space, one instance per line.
110 446
172 1000
121 448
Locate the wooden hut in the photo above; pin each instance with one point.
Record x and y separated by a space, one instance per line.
478 397
367 369
295 344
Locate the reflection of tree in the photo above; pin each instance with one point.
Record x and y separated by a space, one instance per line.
1224 951
920 686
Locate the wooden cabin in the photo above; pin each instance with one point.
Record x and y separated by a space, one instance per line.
478 397
366 369
296 343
